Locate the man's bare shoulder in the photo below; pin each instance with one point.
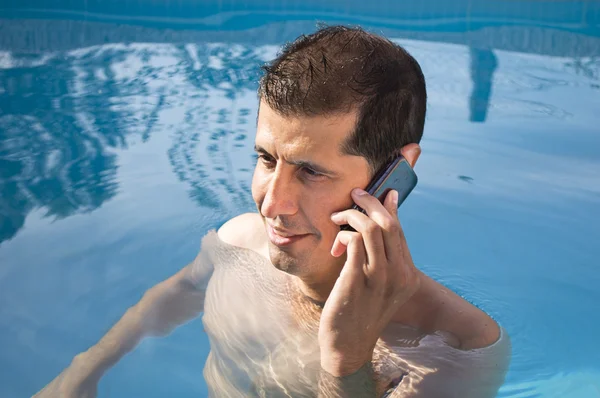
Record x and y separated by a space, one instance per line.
435 308
472 326
246 230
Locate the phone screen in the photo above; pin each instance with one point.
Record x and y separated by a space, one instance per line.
396 175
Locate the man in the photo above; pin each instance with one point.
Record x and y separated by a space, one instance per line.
293 306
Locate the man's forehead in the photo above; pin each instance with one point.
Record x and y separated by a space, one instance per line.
304 133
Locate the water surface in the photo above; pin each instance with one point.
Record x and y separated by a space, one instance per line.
121 144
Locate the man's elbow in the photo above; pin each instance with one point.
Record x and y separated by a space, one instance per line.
170 304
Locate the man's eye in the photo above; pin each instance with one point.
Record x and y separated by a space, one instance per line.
312 173
266 160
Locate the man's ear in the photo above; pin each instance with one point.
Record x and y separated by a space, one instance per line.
411 153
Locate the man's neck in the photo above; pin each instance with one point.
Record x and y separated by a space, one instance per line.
315 292
318 288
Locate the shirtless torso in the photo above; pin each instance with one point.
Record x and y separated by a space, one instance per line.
263 331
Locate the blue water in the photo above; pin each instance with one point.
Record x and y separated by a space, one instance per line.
126 132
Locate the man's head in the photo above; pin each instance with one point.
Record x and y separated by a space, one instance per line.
335 106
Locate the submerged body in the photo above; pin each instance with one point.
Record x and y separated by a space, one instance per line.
263 333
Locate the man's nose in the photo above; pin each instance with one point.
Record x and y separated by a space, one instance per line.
281 198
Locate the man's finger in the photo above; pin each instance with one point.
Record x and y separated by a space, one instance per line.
391 203
393 235
352 242
340 243
371 236
386 216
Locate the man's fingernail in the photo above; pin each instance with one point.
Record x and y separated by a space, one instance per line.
359 192
395 198
333 215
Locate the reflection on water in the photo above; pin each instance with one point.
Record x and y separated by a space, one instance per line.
483 65
588 67
73 113
63 114
46 158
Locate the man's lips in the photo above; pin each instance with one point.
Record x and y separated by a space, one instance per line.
281 237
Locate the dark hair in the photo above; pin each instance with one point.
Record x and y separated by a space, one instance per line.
338 69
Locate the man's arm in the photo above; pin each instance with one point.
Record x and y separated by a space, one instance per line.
477 373
162 308
359 384
378 277
472 373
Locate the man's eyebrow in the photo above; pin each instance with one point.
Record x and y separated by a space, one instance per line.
313 166
301 163
258 148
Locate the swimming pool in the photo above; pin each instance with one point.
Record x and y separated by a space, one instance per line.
126 132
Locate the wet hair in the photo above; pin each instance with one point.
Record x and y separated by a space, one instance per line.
340 69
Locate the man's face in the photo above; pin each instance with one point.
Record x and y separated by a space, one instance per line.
300 179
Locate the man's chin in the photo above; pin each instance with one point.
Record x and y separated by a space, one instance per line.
284 258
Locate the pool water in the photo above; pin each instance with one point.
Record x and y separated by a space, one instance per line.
126 133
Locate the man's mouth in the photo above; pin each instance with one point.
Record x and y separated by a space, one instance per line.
280 237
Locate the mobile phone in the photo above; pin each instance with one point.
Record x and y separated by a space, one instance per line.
397 175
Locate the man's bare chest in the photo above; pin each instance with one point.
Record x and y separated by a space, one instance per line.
270 336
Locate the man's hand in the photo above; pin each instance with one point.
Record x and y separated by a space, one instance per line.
378 277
